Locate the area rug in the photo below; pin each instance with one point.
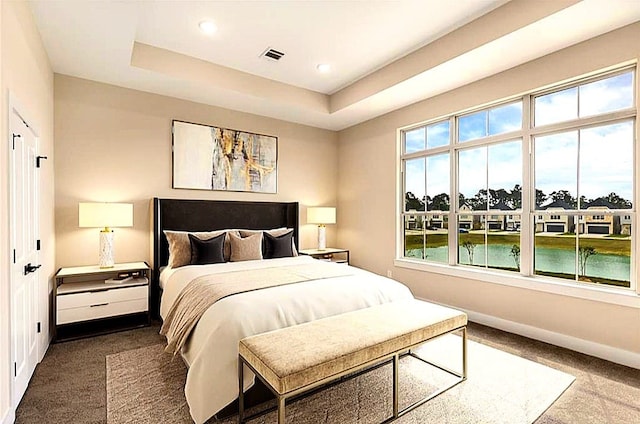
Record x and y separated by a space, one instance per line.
146 386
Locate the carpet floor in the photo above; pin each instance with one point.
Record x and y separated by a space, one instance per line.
145 386
68 386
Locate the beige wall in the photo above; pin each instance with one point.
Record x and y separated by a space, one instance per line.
114 144
27 74
368 194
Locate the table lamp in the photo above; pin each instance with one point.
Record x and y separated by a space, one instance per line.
321 216
105 216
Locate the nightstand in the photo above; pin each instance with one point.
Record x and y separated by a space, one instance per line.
330 254
89 300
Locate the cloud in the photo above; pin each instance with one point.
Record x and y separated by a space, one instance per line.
505 118
414 140
556 107
438 174
415 177
472 126
607 95
438 134
606 161
605 154
472 170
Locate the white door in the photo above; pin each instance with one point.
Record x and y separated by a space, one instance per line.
25 259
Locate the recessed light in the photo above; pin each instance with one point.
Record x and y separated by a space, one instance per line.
323 67
208 27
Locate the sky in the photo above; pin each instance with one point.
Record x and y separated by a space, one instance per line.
591 162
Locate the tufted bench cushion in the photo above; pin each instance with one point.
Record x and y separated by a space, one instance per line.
294 358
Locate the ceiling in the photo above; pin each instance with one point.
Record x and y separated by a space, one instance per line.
384 54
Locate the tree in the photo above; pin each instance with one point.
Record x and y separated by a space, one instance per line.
515 197
584 201
479 201
461 200
412 202
470 246
499 195
584 253
540 197
515 253
617 201
564 196
440 202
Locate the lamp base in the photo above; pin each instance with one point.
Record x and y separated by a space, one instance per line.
106 249
322 237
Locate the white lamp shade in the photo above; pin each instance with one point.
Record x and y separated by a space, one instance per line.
321 215
105 215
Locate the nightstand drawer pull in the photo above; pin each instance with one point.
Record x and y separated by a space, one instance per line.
99 304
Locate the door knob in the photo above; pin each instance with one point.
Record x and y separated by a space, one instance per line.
30 268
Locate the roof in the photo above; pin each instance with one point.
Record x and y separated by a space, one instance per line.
559 204
501 206
600 202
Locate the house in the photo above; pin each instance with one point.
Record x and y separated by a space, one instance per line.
467 221
555 222
97 85
438 220
514 222
604 223
495 221
625 225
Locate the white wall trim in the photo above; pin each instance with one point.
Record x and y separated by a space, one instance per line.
9 417
609 353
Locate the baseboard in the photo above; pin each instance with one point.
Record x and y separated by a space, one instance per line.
609 353
9 417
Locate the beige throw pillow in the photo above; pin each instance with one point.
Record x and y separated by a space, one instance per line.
180 247
247 248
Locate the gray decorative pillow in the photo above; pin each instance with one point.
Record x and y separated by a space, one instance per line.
180 247
247 248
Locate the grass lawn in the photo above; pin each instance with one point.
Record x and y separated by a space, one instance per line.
603 245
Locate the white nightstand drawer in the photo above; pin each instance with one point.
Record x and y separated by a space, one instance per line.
78 300
101 310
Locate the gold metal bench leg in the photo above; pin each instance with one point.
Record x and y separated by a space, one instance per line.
240 390
464 353
281 401
395 385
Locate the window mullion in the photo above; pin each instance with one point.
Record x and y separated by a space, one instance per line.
527 220
453 197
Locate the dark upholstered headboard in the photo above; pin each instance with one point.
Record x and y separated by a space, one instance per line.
209 215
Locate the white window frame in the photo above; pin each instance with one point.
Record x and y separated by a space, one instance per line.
526 278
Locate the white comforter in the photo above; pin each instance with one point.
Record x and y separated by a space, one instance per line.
212 351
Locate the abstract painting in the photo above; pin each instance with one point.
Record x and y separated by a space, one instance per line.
214 158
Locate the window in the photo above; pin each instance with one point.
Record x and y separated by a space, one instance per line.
426 192
469 199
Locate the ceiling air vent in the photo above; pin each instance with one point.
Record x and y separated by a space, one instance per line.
272 54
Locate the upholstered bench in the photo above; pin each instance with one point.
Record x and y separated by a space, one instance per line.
294 360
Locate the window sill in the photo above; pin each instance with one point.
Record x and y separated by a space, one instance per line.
622 297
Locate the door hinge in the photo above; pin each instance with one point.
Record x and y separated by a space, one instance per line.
14 256
38 159
37 244
15 369
14 140
39 327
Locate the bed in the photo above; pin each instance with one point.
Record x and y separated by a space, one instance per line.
212 347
